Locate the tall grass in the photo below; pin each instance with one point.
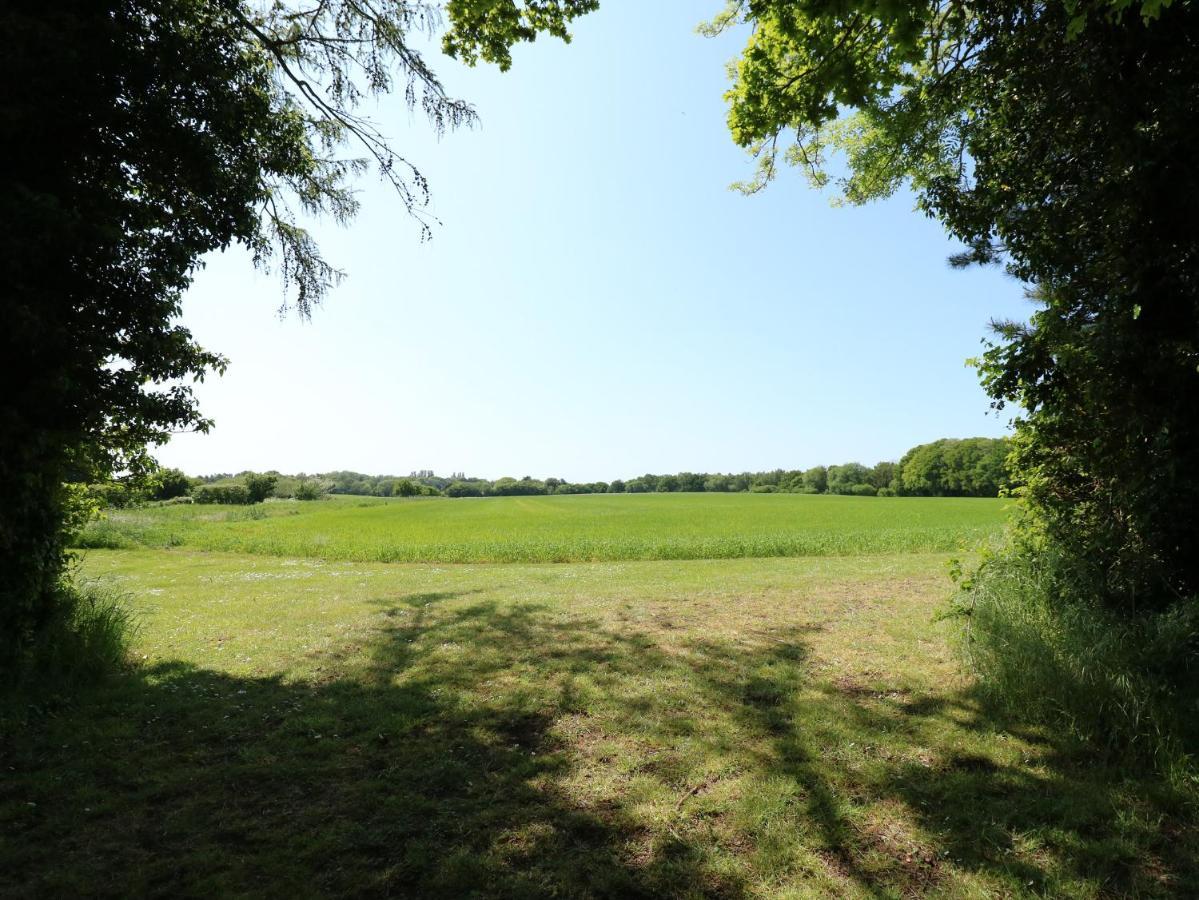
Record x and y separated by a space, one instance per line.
562 529
1042 653
86 638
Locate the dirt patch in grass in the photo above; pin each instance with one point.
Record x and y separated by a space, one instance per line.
856 688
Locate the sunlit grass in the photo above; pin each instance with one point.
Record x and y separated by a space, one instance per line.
563 529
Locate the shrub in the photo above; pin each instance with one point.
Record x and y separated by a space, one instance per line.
87 638
863 490
259 487
309 490
464 489
112 494
167 484
1044 652
235 494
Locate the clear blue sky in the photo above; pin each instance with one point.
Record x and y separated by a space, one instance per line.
596 302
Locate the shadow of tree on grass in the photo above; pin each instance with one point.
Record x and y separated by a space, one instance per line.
477 749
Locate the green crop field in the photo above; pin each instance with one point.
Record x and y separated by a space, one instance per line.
562 529
302 721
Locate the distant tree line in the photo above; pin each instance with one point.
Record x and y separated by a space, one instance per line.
255 487
970 467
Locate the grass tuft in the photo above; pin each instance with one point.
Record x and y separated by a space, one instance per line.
1112 682
86 639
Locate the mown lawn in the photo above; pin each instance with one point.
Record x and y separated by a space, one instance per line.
562 528
757 728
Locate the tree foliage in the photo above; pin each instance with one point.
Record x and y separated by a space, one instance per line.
970 467
973 467
487 29
167 484
141 135
1056 139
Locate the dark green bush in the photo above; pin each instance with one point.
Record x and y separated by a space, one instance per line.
464 489
168 484
234 494
259 487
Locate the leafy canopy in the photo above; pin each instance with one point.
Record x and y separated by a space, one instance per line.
1056 139
867 95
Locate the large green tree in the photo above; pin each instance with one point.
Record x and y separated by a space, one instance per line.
1057 139
951 467
141 135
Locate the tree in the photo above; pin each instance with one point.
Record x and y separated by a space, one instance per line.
971 467
464 489
815 480
1056 139
847 478
792 481
259 487
922 471
717 483
883 474
309 490
166 484
146 133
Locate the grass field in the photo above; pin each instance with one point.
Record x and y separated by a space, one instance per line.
562 529
773 728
